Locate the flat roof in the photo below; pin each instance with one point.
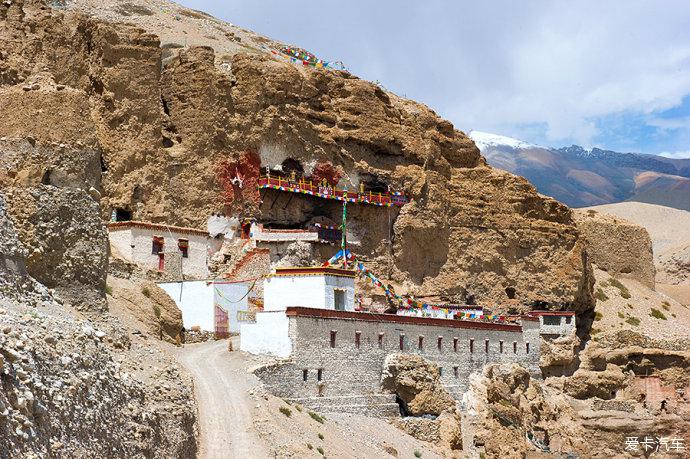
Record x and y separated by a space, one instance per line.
551 313
155 226
314 271
296 311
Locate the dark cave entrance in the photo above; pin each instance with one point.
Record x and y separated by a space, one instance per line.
123 215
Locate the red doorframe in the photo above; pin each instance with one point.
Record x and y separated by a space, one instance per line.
161 261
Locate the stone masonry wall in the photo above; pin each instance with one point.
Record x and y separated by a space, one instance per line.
349 372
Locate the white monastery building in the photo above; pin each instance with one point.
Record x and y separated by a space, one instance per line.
166 248
318 288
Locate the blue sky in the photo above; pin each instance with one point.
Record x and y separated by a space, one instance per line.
613 74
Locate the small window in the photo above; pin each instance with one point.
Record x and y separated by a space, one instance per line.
183 245
333 332
402 342
339 299
358 339
500 347
526 348
440 371
157 245
421 343
439 342
319 374
305 374
455 345
551 320
514 347
471 346
486 346
455 372
380 340
568 319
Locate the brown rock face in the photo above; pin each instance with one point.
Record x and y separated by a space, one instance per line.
617 246
417 383
149 304
161 136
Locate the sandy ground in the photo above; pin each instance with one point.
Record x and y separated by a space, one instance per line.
239 419
617 312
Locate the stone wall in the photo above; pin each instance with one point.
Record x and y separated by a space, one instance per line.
350 371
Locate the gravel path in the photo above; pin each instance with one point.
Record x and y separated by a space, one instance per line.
225 409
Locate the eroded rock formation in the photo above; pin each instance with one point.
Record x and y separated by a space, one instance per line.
617 246
160 130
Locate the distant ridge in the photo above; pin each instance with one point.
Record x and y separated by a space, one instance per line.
582 177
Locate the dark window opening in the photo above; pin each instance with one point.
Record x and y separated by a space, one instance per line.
123 215
440 371
402 342
510 292
157 245
486 346
500 347
455 372
333 332
470 300
305 374
380 340
421 343
183 245
439 343
319 374
551 320
167 143
514 347
568 319
455 345
471 346
358 339
526 348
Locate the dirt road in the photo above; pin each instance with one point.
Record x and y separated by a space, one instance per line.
225 408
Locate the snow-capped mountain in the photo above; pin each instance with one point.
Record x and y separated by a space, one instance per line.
583 177
486 139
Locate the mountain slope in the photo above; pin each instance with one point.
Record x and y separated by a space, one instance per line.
580 177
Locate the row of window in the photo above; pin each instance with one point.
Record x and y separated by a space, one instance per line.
420 343
319 373
159 242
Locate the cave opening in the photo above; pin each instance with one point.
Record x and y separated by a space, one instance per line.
373 183
402 406
104 165
45 180
292 165
510 292
123 215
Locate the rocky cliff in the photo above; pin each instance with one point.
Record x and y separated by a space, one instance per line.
616 246
102 105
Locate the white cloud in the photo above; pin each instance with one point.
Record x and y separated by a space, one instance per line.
501 66
676 154
670 123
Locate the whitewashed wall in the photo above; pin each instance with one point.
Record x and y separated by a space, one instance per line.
121 241
134 244
269 335
232 297
283 291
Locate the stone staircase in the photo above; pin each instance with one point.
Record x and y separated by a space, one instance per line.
378 405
